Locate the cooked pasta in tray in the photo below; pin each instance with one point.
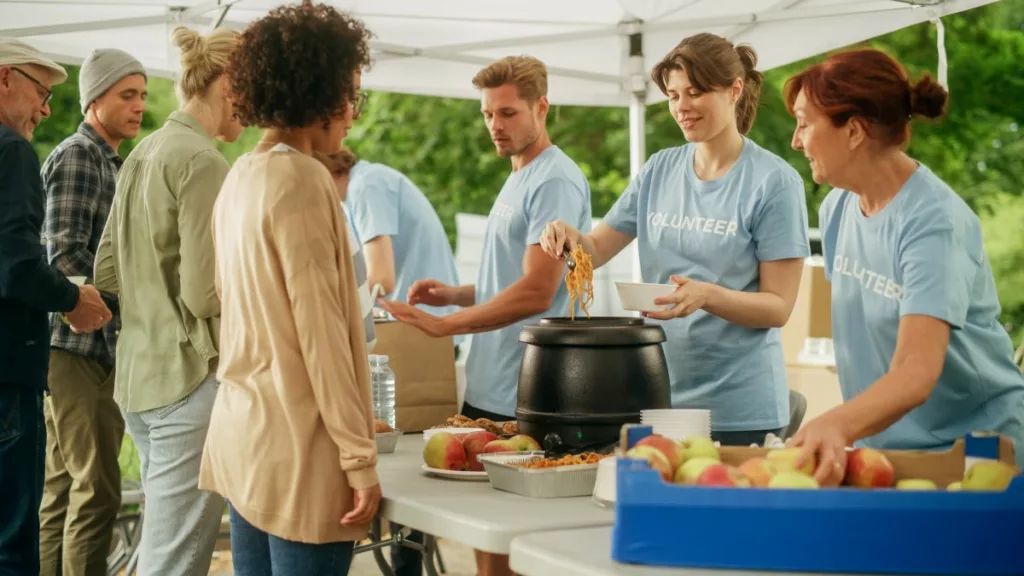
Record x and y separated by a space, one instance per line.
567 460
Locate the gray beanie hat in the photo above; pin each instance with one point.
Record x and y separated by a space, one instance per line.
101 70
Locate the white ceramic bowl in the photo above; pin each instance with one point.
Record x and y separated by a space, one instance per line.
639 297
604 486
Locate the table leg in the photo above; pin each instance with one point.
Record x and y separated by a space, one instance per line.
429 552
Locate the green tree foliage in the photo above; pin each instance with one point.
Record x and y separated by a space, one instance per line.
443 146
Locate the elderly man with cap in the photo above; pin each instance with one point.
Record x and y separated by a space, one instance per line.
84 427
29 289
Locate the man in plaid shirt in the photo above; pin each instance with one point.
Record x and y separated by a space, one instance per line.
84 427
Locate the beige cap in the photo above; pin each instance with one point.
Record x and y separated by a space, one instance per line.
14 52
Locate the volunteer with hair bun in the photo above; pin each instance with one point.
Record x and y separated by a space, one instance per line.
921 356
726 221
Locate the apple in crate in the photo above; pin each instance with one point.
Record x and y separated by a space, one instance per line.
666 446
916 484
719 474
867 468
444 451
989 475
759 471
474 442
793 479
785 459
655 459
698 447
691 470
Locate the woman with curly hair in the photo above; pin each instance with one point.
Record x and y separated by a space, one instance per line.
291 443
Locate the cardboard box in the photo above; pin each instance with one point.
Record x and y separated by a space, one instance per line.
812 312
424 369
819 385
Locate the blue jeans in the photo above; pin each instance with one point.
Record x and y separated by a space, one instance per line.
256 553
22 468
182 521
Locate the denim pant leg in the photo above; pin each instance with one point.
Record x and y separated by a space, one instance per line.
181 521
256 553
22 466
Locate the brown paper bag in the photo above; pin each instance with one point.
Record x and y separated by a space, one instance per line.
424 368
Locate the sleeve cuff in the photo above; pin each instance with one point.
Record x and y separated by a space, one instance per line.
70 298
363 478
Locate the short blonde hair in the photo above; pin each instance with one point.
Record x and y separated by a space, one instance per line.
529 75
203 58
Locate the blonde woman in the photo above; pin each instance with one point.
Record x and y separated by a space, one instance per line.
157 254
291 445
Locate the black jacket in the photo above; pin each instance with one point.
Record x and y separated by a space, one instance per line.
29 287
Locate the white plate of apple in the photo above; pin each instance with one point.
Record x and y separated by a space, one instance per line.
454 456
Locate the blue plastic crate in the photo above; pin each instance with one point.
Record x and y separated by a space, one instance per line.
826 530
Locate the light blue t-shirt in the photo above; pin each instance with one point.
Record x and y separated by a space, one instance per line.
718 232
922 254
384 202
551 187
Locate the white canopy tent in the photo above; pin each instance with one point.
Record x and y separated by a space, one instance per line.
598 52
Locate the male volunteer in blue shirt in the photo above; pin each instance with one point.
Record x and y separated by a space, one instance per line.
403 238
518 283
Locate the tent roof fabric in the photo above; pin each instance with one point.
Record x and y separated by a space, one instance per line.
434 47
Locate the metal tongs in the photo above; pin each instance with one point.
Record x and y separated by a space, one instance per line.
554 447
566 255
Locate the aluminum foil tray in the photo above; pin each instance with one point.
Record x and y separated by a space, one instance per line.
557 482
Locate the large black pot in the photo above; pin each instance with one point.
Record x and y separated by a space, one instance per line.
581 380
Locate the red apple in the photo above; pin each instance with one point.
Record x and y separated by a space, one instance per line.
667 446
759 471
444 452
498 446
722 475
867 468
474 442
654 458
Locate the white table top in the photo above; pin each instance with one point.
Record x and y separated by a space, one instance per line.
471 512
587 552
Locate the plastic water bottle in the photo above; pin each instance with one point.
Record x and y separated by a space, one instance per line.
383 389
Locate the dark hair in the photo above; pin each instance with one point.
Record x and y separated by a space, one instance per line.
713 63
870 85
294 66
339 163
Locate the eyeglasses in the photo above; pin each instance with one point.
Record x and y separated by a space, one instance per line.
46 93
359 104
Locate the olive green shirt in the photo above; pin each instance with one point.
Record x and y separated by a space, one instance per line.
156 254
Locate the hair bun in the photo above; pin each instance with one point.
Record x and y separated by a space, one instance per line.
928 98
189 42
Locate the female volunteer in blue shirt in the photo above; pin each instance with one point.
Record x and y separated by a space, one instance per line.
726 221
921 356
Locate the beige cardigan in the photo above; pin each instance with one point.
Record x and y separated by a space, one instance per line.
292 430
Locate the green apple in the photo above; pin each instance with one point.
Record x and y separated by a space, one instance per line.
916 484
989 475
691 470
698 447
793 479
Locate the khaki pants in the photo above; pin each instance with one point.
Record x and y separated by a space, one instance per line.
82 492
